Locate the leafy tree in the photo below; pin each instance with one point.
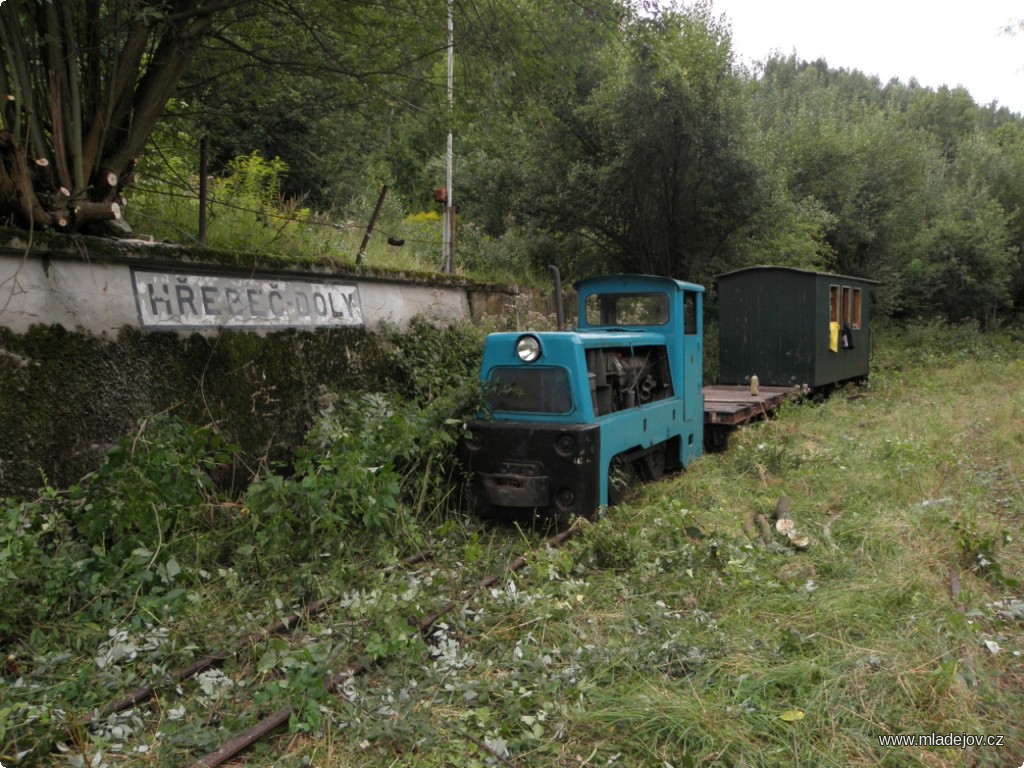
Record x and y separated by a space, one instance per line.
646 157
995 160
967 262
327 87
90 79
950 115
873 176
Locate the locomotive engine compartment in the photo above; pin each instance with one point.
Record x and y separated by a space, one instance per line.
625 377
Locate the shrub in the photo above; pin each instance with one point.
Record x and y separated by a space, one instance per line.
37 559
151 487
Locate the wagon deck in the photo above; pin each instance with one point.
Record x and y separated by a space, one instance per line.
733 405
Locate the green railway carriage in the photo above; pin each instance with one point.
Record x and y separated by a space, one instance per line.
793 327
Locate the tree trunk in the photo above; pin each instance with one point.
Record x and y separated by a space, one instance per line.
164 70
17 195
78 111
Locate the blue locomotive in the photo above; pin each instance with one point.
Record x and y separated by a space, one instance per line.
574 415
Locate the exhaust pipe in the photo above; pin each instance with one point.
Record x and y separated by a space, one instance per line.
559 309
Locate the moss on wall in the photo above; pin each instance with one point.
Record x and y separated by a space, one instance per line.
66 397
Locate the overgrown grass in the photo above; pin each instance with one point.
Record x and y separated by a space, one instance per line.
247 213
244 219
669 633
906 488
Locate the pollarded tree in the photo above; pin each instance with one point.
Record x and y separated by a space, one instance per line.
84 82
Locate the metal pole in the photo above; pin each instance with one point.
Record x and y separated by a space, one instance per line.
448 235
204 170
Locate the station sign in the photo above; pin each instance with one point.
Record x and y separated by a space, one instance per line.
175 300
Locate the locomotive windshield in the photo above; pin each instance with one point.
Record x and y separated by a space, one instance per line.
627 309
531 390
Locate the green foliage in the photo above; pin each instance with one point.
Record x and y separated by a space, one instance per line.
246 209
792 234
967 263
254 182
863 171
345 481
152 487
126 530
38 560
428 362
979 552
610 548
364 85
653 164
909 346
601 139
371 457
668 632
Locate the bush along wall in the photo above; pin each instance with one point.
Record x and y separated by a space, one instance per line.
67 397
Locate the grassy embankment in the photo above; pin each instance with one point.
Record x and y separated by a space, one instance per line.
671 636
669 633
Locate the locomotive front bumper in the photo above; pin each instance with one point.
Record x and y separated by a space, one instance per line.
516 485
552 469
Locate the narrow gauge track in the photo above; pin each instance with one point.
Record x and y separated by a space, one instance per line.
283 626
334 683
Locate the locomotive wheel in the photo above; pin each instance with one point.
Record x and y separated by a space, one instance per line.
621 477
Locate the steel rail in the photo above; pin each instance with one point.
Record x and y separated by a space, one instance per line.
280 627
333 684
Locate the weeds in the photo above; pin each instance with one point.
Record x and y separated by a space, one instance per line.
663 635
247 213
129 567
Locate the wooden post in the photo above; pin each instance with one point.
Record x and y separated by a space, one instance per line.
369 227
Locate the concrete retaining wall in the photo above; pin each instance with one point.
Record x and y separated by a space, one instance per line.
97 334
100 286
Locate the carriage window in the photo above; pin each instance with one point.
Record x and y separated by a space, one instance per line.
627 309
833 303
855 317
847 304
531 390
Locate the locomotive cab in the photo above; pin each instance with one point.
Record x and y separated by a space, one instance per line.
573 415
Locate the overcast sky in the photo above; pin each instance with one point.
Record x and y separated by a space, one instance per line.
937 42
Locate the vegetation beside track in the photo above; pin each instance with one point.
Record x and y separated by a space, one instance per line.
669 633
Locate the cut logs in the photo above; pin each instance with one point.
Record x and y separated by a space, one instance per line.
763 528
89 211
782 526
783 519
785 525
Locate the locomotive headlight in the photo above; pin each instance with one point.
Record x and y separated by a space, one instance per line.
528 348
473 439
